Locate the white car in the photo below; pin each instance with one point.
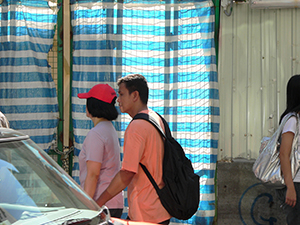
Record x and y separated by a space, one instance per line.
35 190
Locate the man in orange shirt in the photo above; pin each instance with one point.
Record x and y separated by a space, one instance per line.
142 144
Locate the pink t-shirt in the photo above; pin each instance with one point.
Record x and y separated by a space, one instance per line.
143 143
102 145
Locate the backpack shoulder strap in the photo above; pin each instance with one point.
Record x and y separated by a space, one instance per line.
151 120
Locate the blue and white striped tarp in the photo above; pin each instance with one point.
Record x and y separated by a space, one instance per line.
27 91
172 45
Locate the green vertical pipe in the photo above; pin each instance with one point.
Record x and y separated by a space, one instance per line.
217 28
60 79
71 135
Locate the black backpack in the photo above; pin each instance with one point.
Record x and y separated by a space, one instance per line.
180 195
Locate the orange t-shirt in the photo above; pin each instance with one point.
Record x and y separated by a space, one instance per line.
143 143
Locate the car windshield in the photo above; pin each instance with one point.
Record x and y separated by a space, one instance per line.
33 185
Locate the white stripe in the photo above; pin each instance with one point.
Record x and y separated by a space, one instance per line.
25 69
75 173
28 101
81 132
183 85
135 6
27 9
169 118
23 38
156 86
89 84
144 37
142 21
190 135
29 85
28 24
38 132
205 213
205 166
44 146
138 69
32 116
145 53
208 181
174 103
207 197
25 54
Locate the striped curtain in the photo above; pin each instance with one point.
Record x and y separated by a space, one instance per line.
172 45
27 91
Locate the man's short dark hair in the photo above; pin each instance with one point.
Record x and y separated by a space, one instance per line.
100 109
136 82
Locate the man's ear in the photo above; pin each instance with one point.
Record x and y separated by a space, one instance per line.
136 95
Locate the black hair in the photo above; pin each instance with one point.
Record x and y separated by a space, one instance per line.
136 82
100 109
292 96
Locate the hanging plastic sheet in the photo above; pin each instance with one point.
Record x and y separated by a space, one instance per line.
27 91
172 45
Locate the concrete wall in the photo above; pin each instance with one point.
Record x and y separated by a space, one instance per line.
242 199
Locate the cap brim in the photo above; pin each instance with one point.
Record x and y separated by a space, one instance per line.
83 95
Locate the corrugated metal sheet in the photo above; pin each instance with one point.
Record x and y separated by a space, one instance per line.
259 51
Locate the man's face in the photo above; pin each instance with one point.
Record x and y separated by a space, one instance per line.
125 99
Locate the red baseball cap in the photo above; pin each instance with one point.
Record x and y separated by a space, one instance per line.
102 92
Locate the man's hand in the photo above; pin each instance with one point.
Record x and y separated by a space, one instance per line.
119 183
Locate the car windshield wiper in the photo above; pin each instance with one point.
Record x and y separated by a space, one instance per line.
82 221
102 218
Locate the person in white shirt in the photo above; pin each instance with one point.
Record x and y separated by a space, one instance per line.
290 195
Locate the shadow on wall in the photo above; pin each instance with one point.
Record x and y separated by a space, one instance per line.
242 199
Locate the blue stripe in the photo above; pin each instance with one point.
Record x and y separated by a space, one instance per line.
140 45
178 94
99 76
30 16
202 158
184 110
23 46
27 93
195 220
142 29
34 3
204 173
192 143
25 77
21 31
33 124
134 61
207 189
180 126
23 61
208 205
140 14
43 139
141 1
196 158
29 108
203 220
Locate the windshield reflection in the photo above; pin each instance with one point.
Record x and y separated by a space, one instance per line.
31 183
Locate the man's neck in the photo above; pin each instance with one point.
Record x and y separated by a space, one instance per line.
137 110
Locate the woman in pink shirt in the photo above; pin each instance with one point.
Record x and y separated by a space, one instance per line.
99 158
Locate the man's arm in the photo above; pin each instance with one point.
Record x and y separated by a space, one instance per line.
119 183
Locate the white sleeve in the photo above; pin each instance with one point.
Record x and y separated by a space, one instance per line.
290 125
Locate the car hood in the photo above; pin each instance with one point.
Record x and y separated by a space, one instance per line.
62 216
